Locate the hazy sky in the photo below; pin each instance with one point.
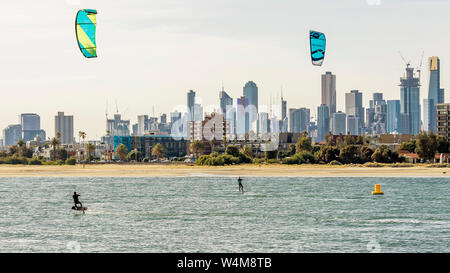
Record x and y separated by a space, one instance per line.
152 52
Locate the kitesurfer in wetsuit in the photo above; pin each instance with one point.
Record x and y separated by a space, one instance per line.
75 199
241 188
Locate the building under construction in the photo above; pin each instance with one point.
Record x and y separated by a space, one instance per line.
410 121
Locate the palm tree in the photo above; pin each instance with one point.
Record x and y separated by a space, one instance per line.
21 143
108 152
195 146
81 135
90 148
54 142
158 150
122 152
247 150
21 147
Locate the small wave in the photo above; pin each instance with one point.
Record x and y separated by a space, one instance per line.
255 194
409 221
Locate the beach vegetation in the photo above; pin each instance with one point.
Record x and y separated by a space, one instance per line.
71 161
122 152
271 154
34 161
385 155
409 146
426 145
158 151
196 146
443 145
135 155
304 143
247 150
328 154
232 150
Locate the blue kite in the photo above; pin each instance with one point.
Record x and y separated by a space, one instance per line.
318 45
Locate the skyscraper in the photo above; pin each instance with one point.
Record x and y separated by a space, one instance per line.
393 116
429 115
377 98
353 107
191 104
241 120
31 127
264 122
376 115
64 125
284 118
339 123
251 111
299 120
435 95
163 119
353 126
410 102
118 126
143 125
370 116
174 117
225 101
329 92
323 121
198 112
251 93
12 134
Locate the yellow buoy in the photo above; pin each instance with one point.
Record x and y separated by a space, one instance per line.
377 190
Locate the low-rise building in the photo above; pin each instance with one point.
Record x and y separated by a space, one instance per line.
174 147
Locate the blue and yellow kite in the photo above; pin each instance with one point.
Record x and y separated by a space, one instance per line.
318 45
85 26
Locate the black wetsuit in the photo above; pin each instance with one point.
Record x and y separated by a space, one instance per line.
76 201
241 188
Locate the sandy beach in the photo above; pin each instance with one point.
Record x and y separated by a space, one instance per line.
276 170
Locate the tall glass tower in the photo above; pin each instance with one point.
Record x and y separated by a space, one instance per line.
251 116
251 93
329 92
284 118
225 101
354 107
435 95
323 121
410 102
191 104
393 116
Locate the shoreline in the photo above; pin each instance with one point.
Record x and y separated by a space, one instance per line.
272 170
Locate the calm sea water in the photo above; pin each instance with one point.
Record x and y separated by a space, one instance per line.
208 214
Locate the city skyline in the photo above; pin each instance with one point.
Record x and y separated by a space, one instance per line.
119 126
189 46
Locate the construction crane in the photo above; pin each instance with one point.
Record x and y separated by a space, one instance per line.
419 68
408 63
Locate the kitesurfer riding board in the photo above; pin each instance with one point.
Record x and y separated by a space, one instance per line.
76 201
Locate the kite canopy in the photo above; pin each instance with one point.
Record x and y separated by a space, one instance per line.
85 26
318 44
